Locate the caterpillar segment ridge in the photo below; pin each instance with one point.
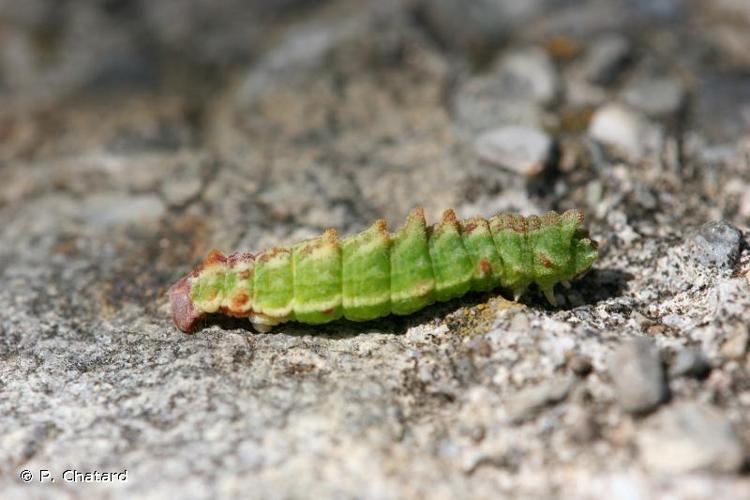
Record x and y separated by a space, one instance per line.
376 273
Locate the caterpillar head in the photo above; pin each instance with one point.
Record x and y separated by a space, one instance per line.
561 247
582 249
585 251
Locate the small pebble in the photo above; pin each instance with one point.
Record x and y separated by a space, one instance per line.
606 59
717 244
529 70
735 346
636 371
521 149
689 362
624 130
687 437
580 365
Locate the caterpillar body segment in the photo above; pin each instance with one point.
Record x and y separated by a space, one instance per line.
375 273
273 287
316 270
487 267
451 262
366 273
412 276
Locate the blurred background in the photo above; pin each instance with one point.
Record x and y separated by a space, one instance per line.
136 135
237 124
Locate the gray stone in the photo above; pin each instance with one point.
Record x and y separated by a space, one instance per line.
689 362
606 58
520 149
636 372
513 91
656 97
488 101
688 437
527 403
716 245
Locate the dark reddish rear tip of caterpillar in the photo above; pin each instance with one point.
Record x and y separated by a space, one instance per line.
184 315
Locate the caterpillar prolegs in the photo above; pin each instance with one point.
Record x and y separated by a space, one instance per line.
374 273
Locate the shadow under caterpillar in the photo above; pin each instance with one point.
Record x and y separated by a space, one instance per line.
375 273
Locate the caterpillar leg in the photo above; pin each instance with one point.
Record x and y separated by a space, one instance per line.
261 327
549 293
262 323
518 292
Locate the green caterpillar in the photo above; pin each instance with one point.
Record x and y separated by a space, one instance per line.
375 273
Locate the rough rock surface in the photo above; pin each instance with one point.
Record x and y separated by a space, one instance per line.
135 136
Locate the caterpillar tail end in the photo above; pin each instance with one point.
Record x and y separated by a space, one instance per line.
184 314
